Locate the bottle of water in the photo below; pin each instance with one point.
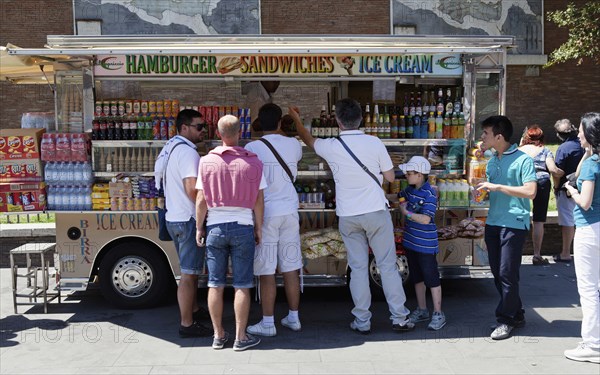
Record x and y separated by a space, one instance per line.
80 193
78 173
49 173
63 175
72 192
88 198
51 198
71 173
65 201
87 177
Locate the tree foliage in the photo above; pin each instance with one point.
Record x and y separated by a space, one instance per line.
584 33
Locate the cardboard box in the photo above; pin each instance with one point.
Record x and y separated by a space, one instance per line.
19 201
449 217
21 170
22 186
480 253
328 265
120 189
455 252
20 143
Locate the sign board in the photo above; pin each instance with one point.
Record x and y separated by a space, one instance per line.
284 65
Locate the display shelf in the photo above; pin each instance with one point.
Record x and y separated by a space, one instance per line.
136 143
129 174
424 142
314 174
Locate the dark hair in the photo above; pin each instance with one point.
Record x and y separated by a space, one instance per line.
348 113
533 135
186 117
500 125
269 116
591 129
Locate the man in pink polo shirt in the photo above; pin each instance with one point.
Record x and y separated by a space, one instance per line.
230 190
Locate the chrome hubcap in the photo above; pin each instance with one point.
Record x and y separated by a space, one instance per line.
401 264
132 276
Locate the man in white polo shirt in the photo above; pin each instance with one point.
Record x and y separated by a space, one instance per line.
364 220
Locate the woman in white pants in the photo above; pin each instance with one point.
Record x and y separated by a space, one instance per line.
587 239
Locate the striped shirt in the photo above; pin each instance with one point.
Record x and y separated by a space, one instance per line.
422 238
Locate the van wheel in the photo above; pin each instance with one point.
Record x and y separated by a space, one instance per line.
375 276
134 277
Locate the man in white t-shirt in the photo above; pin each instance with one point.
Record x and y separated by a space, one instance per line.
364 220
178 163
280 247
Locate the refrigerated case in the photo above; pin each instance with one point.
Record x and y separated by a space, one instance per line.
120 250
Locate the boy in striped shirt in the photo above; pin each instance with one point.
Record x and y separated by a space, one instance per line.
421 240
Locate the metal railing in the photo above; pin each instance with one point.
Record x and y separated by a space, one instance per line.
23 218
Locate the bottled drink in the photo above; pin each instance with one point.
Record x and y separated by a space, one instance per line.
314 131
425 107
461 125
394 126
419 108
77 173
88 199
457 102
439 121
78 148
367 118
440 102
402 127
49 173
118 128
110 134
322 123
48 148
442 189
70 167
333 122
73 199
406 108
86 173
446 128
431 126
409 127
454 126
449 103
51 200
375 120
416 127
63 147
65 200
424 125
135 126
411 107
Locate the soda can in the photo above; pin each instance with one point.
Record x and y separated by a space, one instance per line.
164 130
144 106
121 107
175 107
129 107
152 106
98 108
160 107
106 108
136 107
113 107
167 107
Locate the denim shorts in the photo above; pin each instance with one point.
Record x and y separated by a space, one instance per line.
423 268
191 257
227 240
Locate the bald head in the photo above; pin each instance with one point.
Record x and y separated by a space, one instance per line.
229 127
564 126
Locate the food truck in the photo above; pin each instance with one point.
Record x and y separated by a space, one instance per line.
421 95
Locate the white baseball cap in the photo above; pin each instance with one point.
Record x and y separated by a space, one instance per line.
417 164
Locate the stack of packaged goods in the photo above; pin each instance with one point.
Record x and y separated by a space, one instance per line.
126 194
21 181
145 194
100 197
476 166
67 171
453 192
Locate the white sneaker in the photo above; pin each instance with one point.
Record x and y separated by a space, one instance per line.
438 321
583 353
261 330
294 326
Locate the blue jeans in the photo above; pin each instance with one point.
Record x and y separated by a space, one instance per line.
191 257
505 248
230 240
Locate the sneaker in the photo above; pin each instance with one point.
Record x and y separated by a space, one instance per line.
219 343
294 326
362 330
195 330
201 314
240 345
583 353
502 332
262 330
408 326
418 315
438 321
517 324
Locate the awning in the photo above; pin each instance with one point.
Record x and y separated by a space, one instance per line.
24 69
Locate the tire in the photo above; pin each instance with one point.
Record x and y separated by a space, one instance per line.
134 276
375 277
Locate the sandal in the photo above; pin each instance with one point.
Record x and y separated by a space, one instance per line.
539 261
557 259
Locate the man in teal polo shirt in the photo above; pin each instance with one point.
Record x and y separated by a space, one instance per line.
511 183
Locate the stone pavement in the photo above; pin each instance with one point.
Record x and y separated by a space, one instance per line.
86 335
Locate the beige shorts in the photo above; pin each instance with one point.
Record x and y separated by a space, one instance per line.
565 206
280 246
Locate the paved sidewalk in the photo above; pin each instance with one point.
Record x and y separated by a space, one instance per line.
86 335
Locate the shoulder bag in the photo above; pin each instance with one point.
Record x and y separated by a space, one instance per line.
279 159
362 166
